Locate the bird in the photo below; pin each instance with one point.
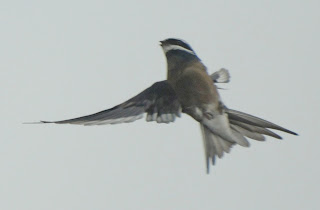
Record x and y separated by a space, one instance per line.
188 89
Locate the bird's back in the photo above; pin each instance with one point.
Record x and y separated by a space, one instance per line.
194 87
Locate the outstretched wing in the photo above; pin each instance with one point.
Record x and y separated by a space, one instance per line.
159 101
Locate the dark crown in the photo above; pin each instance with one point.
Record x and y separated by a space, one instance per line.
172 41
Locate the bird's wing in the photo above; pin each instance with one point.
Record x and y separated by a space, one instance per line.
221 76
159 101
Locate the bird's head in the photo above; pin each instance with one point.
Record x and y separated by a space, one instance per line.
173 45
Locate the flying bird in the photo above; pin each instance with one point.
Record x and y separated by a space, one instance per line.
191 90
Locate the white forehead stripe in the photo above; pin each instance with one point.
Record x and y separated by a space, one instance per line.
167 48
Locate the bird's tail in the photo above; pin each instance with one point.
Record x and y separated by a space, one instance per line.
223 131
218 137
213 146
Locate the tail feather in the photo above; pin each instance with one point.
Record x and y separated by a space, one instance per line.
252 120
223 131
207 147
218 146
224 144
219 125
255 129
213 146
248 133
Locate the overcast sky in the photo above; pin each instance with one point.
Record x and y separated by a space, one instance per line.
64 59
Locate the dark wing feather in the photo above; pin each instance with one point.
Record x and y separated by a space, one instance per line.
159 102
255 122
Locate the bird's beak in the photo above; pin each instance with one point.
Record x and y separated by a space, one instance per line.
161 43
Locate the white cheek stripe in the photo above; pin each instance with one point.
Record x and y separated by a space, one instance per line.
167 48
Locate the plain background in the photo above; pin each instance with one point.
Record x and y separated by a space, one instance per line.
64 59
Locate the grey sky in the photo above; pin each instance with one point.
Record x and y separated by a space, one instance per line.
64 59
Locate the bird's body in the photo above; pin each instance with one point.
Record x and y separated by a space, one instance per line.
189 89
199 97
193 86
